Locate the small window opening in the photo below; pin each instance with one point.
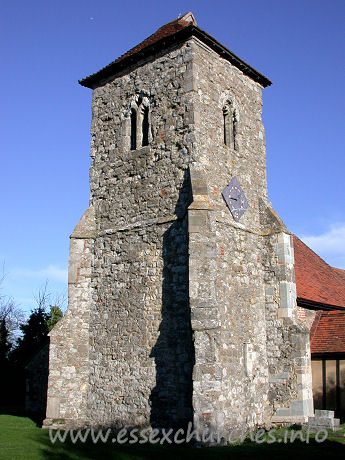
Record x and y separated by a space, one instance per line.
133 129
229 127
226 126
145 127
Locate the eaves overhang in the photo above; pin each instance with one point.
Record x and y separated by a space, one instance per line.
312 305
120 65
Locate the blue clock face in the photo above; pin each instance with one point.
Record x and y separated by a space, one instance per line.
235 199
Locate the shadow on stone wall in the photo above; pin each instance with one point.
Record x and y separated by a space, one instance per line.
36 376
23 390
171 398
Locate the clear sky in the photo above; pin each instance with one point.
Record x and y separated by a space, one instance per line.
48 45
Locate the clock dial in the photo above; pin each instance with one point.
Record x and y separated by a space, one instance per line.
235 199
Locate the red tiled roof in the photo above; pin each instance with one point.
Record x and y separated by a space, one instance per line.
340 272
163 32
327 334
317 281
179 29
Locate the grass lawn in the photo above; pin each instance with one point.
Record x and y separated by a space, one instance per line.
21 439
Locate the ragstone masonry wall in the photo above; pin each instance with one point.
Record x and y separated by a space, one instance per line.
242 362
231 385
69 340
191 313
141 350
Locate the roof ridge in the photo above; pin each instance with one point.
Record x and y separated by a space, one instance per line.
183 19
189 17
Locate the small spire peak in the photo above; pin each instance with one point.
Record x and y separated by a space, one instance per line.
188 17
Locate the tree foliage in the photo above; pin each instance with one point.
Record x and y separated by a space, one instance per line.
20 340
54 316
35 332
40 322
11 318
5 345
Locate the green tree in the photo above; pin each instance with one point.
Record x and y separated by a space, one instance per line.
34 336
11 317
5 345
54 316
40 322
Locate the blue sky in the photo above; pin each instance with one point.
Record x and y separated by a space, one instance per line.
45 116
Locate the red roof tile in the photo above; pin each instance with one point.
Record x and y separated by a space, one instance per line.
317 281
327 334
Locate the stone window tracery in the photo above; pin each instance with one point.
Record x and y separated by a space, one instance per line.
140 123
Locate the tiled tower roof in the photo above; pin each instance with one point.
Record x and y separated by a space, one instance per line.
179 30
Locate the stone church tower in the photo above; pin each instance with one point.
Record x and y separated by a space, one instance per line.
182 296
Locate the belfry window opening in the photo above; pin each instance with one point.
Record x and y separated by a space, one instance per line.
145 127
139 123
229 126
133 129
